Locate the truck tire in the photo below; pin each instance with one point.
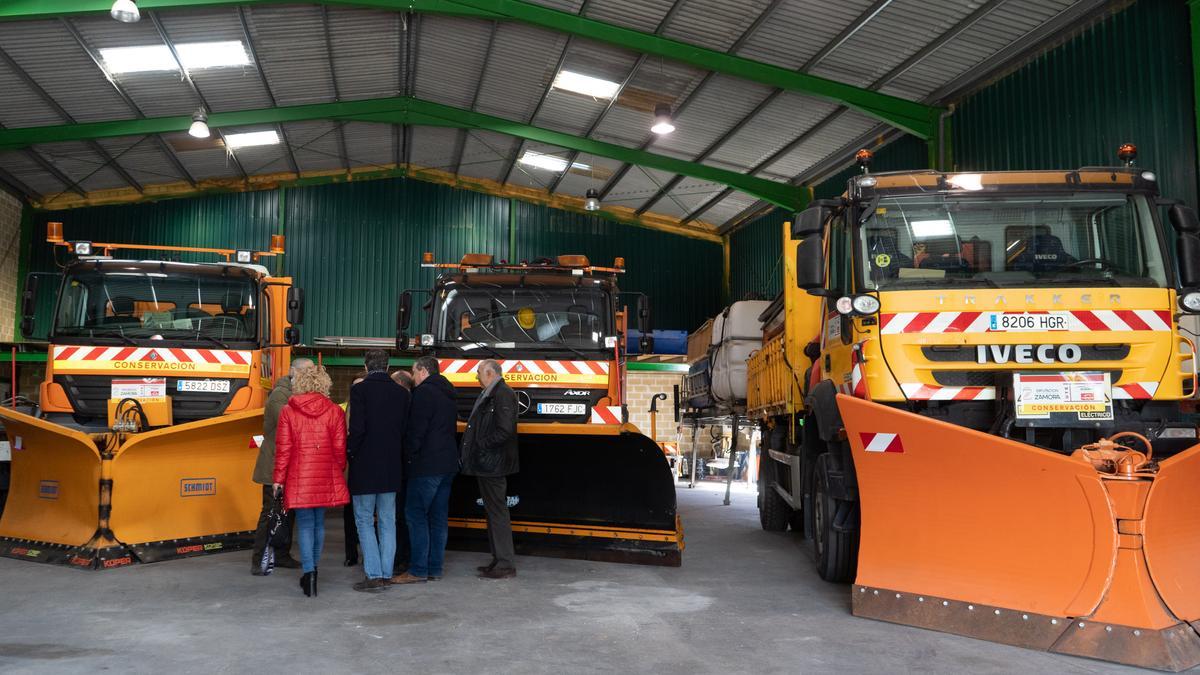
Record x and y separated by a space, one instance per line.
834 552
773 513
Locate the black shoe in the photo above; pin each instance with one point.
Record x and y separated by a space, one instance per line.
257 571
351 561
489 567
498 574
314 582
306 583
287 563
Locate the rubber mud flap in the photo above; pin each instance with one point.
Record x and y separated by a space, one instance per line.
54 490
592 496
188 481
964 516
1172 534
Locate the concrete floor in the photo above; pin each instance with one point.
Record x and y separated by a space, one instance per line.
744 601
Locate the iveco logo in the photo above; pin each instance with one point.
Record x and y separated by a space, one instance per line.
576 392
1028 353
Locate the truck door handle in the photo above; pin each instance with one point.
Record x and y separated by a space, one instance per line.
827 362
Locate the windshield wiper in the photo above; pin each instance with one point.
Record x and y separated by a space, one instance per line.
573 350
91 332
222 345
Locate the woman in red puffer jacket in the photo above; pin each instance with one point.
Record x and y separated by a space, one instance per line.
310 455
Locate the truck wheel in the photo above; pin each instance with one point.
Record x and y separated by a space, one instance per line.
833 551
773 512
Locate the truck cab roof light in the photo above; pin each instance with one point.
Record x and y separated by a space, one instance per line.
475 260
573 261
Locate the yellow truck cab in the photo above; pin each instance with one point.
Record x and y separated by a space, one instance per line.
972 393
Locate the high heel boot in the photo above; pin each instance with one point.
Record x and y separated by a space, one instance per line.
306 583
314 582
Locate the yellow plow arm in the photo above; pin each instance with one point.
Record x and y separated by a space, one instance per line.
987 537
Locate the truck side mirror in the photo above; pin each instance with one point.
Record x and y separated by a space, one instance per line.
403 312
810 263
1183 218
646 341
27 327
291 335
811 221
295 305
29 296
1187 249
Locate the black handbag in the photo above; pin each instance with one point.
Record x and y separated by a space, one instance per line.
275 532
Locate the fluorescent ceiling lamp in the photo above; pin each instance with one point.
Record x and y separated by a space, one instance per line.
541 160
195 56
138 59
585 84
931 228
251 139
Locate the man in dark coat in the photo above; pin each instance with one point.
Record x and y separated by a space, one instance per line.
430 464
489 452
264 469
378 417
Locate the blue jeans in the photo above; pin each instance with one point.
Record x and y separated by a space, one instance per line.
310 530
426 511
375 516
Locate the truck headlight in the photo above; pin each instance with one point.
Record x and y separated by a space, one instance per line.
427 340
844 304
1190 302
866 304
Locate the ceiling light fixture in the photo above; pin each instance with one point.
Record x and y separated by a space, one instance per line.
251 139
541 160
663 124
222 54
585 84
125 11
199 128
592 200
193 55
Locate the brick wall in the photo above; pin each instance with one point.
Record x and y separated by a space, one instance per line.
642 386
10 241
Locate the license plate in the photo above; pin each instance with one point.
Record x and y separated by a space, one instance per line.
1018 322
561 408
215 386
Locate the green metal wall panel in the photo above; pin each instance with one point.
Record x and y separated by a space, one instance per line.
681 275
1127 78
903 154
354 247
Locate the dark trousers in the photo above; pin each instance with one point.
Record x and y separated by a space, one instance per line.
351 531
284 545
499 527
427 510
403 546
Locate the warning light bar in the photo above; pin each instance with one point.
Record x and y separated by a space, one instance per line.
54 235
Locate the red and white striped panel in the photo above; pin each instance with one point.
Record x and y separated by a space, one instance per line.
934 392
1134 390
878 442
606 414
980 322
533 373
165 354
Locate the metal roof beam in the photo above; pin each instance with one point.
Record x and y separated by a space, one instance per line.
915 118
461 141
262 77
412 112
337 92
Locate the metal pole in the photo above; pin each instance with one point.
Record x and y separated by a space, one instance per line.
695 430
732 460
12 390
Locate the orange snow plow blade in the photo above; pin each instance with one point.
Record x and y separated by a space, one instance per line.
982 536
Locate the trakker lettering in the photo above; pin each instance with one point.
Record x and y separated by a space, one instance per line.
1024 354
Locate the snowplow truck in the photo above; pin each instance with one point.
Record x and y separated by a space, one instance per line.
971 400
590 485
150 414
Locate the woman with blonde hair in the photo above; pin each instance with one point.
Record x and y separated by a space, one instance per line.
310 456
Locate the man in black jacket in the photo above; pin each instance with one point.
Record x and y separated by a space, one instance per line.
430 464
489 452
378 417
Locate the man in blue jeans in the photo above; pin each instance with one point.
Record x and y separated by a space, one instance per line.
430 463
378 420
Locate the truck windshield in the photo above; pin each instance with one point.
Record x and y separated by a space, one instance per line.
135 304
938 241
531 317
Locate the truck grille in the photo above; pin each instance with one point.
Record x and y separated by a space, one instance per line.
466 401
978 378
966 353
89 396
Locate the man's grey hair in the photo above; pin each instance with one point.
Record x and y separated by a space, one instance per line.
376 360
300 364
492 367
427 364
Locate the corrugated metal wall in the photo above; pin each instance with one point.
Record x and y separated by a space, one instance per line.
682 276
755 249
355 246
1128 78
